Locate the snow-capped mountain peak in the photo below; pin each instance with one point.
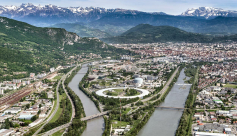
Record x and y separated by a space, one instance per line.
209 12
54 14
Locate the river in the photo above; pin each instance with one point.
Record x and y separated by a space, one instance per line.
94 127
164 122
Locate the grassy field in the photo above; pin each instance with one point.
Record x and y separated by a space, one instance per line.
123 124
58 77
115 92
59 133
231 86
2 34
118 91
106 83
127 110
59 111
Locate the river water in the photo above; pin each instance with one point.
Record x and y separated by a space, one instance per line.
164 122
94 127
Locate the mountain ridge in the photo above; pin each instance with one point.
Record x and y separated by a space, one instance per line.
145 33
34 49
60 14
116 21
209 12
82 30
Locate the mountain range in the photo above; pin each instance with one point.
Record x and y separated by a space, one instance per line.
103 23
51 14
145 33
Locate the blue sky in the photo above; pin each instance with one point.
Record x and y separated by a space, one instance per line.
174 7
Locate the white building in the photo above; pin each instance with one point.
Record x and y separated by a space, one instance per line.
13 110
223 112
16 80
1 91
216 88
52 69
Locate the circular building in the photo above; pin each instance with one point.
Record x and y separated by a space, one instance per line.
138 80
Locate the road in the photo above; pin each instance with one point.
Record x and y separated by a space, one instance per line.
54 112
73 107
52 131
56 109
161 93
205 110
164 88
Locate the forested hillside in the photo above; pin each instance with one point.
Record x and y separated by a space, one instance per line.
145 33
25 48
82 30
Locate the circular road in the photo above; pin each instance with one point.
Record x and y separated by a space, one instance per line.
142 91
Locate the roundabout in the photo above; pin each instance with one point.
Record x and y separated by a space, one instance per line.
141 91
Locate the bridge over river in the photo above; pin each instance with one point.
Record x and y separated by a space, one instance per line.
183 84
166 107
94 116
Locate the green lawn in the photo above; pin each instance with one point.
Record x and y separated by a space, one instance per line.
59 111
106 83
115 92
127 110
58 77
231 86
123 124
2 34
54 106
59 133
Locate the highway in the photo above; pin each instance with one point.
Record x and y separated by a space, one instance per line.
164 88
56 109
54 112
52 131
73 107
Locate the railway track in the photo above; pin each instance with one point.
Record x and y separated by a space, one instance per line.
17 95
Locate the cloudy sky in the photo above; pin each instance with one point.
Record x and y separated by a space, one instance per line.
174 7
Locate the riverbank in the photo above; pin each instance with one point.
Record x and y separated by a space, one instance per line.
185 123
164 121
94 127
77 127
